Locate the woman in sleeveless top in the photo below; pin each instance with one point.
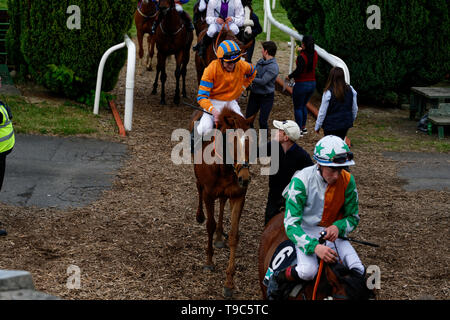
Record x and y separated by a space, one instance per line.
305 80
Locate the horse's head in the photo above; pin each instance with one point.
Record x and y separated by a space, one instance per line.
165 5
235 127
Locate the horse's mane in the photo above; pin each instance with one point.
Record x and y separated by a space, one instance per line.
228 119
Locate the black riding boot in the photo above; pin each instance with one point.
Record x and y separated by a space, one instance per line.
203 45
281 283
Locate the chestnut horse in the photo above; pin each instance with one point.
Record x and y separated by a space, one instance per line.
330 284
172 37
144 17
223 181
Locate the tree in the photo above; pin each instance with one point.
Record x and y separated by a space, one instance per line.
65 59
410 49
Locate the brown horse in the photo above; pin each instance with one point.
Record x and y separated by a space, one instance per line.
144 17
224 181
199 19
330 284
172 37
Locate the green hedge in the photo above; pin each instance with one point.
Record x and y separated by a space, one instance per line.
412 48
66 61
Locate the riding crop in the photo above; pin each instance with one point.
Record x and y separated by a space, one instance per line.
196 108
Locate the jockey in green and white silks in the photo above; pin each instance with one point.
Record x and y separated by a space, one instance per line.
316 202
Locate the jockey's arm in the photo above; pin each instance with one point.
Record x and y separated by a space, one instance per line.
351 217
204 89
210 12
239 16
296 198
250 74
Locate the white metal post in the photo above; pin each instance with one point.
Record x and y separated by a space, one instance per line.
129 86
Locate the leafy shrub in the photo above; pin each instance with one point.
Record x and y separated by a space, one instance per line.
64 60
410 49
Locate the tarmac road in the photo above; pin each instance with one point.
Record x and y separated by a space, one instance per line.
45 171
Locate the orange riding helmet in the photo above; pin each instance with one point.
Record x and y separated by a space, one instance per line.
229 51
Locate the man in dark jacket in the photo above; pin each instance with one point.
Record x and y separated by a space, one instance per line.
262 90
292 158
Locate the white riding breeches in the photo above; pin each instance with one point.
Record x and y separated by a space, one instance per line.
206 122
307 265
215 28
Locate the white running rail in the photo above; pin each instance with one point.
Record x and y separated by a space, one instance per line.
129 86
331 59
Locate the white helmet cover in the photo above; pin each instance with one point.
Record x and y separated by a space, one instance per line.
332 151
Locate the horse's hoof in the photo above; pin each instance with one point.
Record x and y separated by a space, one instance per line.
176 100
162 102
227 293
220 244
153 91
149 68
208 268
200 218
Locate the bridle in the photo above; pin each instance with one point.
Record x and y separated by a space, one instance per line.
164 12
139 8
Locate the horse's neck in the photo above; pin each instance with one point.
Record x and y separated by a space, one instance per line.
172 21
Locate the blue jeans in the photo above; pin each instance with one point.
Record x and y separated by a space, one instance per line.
300 96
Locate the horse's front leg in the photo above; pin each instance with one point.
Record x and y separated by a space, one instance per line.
140 36
148 62
237 205
200 216
210 228
178 59
151 50
155 84
162 67
218 242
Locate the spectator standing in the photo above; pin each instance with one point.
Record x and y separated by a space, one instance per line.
262 90
305 80
339 106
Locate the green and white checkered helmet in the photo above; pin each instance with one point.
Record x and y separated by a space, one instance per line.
332 151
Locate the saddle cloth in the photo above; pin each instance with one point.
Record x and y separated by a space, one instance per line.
285 256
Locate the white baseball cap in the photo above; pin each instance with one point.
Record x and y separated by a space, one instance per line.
290 128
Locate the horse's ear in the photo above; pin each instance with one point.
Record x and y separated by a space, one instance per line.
228 122
251 119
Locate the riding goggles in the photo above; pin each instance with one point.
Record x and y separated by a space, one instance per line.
232 56
342 158
338 159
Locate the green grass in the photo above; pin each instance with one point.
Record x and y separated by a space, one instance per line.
258 7
3 4
393 131
64 119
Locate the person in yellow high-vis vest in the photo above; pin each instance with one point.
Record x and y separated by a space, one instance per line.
7 140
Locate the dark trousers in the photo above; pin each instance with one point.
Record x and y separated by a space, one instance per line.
301 94
340 133
263 103
273 207
3 165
